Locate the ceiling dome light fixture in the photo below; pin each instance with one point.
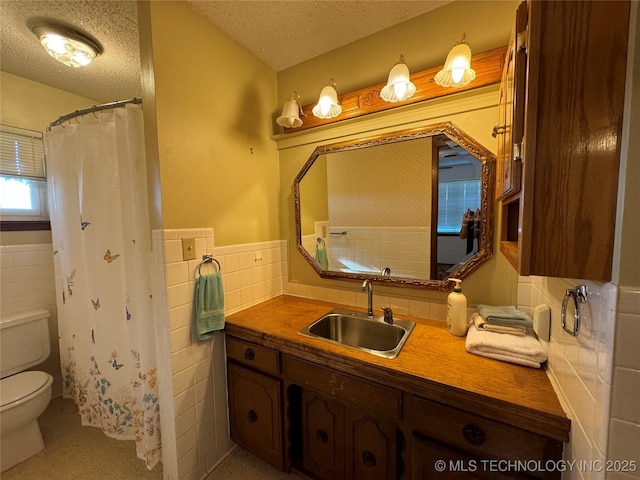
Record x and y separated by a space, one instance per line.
328 106
457 69
399 86
66 45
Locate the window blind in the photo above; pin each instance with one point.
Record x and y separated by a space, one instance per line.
454 198
21 153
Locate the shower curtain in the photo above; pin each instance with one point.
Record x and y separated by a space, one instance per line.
99 222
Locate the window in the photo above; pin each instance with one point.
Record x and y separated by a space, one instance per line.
454 198
23 195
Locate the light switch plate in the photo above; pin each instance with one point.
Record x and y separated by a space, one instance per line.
542 321
188 248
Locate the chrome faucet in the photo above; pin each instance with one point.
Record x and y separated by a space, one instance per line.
386 272
367 285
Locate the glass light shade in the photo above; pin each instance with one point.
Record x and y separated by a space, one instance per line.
328 106
399 86
457 69
68 47
290 117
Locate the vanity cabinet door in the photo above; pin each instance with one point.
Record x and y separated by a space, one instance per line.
254 413
372 447
322 436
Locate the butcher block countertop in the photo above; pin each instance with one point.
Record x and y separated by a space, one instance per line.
432 364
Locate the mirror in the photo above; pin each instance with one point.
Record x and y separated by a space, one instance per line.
409 208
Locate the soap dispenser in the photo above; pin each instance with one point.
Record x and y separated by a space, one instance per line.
457 310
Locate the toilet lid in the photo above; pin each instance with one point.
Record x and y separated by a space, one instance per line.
20 385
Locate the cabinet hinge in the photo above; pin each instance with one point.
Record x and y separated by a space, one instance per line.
517 152
521 40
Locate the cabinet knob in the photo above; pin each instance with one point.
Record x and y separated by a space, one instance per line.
252 416
249 354
368 458
322 436
473 434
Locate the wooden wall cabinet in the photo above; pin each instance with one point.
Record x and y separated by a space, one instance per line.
561 220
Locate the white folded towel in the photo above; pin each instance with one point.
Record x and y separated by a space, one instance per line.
525 350
481 324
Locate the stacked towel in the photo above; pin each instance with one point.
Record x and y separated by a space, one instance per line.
209 305
524 350
481 324
506 316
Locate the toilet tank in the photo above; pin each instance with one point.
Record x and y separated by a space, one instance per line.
24 341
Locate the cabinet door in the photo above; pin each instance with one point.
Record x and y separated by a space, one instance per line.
510 128
254 413
322 436
372 447
435 461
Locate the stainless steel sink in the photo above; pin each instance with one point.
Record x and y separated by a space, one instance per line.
354 329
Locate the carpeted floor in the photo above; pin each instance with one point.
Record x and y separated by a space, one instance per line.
73 452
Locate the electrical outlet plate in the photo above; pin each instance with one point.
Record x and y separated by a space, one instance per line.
188 248
542 321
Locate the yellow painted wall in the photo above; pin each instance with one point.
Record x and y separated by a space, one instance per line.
314 198
213 99
32 105
425 41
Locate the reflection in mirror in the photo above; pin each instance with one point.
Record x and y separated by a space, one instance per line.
410 208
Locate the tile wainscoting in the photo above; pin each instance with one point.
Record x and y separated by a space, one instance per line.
27 282
596 374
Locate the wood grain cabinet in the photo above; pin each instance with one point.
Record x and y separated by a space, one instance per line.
473 446
560 221
255 403
330 424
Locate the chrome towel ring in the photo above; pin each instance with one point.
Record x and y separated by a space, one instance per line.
208 259
579 295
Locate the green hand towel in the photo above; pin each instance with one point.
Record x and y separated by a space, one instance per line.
209 305
321 257
505 316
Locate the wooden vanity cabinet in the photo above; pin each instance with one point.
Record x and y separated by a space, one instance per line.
330 424
349 424
561 222
255 400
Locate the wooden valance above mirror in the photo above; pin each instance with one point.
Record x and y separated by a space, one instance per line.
488 66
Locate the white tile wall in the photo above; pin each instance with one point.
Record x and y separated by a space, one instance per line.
373 248
27 283
579 367
624 432
196 380
399 305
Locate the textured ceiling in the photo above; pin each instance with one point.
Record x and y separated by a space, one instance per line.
285 33
114 75
281 33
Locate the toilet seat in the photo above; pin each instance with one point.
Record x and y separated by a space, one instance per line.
21 385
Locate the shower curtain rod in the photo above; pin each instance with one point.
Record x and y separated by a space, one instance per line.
93 109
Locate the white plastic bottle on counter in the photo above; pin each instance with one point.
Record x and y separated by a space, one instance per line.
457 311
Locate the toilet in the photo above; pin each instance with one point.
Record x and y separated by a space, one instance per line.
24 395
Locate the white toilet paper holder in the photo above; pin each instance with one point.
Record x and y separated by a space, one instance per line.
579 295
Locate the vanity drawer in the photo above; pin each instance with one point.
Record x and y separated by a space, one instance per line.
479 435
378 400
256 356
